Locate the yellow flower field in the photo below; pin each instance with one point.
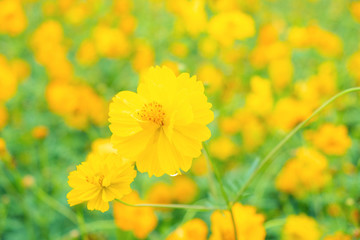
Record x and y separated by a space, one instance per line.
180 119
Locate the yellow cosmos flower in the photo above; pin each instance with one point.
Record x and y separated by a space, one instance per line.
295 225
249 224
331 139
13 17
163 125
230 26
223 148
99 181
308 171
140 220
195 229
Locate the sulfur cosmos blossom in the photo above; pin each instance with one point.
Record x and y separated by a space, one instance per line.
100 180
163 125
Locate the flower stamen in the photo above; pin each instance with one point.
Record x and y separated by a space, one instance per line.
152 112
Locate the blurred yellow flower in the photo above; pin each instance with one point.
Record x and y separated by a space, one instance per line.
102 146
208 47
160 193
195 229
338 236
140 220
229 125
40 132
8 80
319 86
259 100
3 116
331 139
86 54
3 149
308 171
326 43
193 16
211 77
184 189
77 103
298 37
230 26
353 66
111 42
128 24
222 148
281 72
12 17
355 10
179 49
163 125
200 166
144 57
263 54
289 112
295 226
249 224
172 65
99 180
21 68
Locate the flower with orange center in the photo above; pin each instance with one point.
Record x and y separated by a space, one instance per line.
163 125
99 180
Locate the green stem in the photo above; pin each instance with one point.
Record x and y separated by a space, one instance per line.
287 138
56 205
177 206
82 226
222 189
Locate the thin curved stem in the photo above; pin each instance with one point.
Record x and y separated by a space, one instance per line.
57 206
222 189
287 138
176 206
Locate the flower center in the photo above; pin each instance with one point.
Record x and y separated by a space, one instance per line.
96 180
153 112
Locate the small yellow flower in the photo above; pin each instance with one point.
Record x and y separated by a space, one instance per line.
163 125
8 80
200 166
260 99
308 171
249 224
12 17
195 229
184 189
140 220
281 72
86 54
40 132
21 68
160 193
338 236
110 42
211 76
331 139
3 116
144 57
100 180
295 226
355 10
227 27
289 112
222 148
